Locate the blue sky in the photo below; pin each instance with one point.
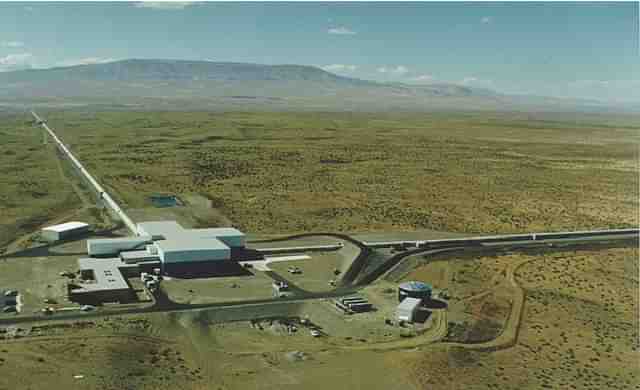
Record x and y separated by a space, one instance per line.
585 50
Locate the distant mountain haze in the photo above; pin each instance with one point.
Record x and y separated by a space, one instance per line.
227 85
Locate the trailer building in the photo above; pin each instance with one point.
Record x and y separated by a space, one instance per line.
407 309
64 231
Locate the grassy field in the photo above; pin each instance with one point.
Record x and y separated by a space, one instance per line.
579 327
579 331
276 173
287 172
174 352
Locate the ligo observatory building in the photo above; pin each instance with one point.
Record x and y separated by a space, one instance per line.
173 246
163 245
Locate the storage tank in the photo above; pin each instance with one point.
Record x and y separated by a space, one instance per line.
418 290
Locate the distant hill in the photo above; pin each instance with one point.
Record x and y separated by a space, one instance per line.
226 85
173 70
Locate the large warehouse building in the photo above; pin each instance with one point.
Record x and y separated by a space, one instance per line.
164 244
171 244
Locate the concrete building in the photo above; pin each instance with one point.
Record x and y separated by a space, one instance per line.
102 281
64 231
177 249
407 309
190 249
419 290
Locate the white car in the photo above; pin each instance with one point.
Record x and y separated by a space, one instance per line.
10 293
87 307
48 311
315 333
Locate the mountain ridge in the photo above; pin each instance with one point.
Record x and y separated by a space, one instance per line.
223 84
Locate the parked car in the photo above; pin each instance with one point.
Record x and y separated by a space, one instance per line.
87 307
315 333
9 309
294 270
10 293
47 311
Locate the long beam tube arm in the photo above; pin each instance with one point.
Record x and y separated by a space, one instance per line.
102 193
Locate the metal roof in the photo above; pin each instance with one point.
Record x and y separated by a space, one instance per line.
63 227
137 239
190 244
136 256
172 229
217 232
165 229
416 286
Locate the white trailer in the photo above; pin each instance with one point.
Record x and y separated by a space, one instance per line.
64 230
407 309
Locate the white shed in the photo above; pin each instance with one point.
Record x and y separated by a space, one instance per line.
64 230
407 309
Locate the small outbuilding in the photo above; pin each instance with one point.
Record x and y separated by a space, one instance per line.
64 231
407 309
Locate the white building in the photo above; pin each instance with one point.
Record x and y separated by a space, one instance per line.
407 309
168 230
188 250
173 245
64 230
